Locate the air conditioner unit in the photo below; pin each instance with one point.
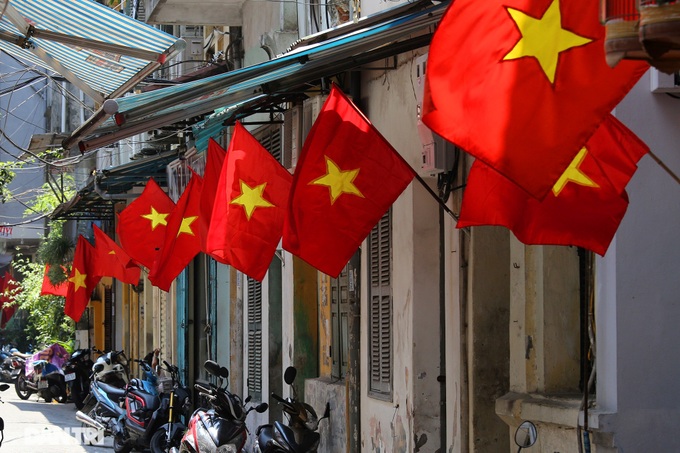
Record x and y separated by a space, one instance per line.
310 111
437 153
292 137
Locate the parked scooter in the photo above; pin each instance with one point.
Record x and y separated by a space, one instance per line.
42 374
221 428
11 366
300 436
111 368
131 415
178 405
77 372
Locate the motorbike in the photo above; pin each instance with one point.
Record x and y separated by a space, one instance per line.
300 435
131 414
111 368
3 387
178 406
222 428
42 374
77 372
11 366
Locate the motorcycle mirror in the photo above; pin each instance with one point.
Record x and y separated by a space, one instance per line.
261 407
248 398
3 387
327 412
526 435
224 372
2 424
289 375
212 367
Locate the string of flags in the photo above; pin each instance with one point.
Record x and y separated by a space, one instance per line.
525 90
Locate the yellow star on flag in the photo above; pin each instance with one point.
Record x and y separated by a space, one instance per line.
112 252
338 181
574 174
251 198
185 226
544 38
78 280
157 218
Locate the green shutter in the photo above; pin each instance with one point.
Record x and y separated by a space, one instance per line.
380 308
255 339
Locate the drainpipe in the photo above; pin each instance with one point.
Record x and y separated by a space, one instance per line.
442 333
354 321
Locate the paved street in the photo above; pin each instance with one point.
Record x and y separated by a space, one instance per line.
34 425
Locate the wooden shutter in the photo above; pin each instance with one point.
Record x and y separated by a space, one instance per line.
270 137
340 323
380 307
255 339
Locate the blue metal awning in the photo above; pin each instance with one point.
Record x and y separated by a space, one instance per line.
268 83
101 51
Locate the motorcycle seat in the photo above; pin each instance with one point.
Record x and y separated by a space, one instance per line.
307 438
112 391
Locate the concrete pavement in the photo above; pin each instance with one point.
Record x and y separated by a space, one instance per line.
34 425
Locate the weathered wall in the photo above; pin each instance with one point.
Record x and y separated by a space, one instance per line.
638 303
333 431
389 101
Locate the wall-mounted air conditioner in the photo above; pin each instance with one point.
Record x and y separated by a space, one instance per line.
437 153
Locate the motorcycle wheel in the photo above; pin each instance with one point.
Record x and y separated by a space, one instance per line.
78 397
21 388
159 441
120 447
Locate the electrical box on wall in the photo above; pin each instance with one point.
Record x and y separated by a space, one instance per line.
437 153
661 82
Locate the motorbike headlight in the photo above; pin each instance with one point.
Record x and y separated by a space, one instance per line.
229 448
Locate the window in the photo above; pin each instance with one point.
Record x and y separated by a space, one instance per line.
255 339
380 308
343 289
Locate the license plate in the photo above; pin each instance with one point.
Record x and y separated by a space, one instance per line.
42 384
70 377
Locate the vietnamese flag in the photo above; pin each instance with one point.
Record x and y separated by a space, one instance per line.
50 289
585 206
141 225
250 206
182 236
213 167
112 260
522 84
8 291
82 280
346 178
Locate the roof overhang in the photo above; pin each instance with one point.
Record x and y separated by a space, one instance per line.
252 88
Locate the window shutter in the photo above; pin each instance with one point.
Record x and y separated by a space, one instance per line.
270 137
380 307
255 339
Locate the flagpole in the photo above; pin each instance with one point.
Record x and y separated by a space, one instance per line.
662 165
439 200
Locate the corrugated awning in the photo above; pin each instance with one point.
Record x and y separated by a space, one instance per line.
103 189
101 51
252 88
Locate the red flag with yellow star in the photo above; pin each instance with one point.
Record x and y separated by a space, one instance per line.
141 225
82 280
346 178
584 207
112 260
250 205
9 288
213 168
182 236
48 288
522 84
